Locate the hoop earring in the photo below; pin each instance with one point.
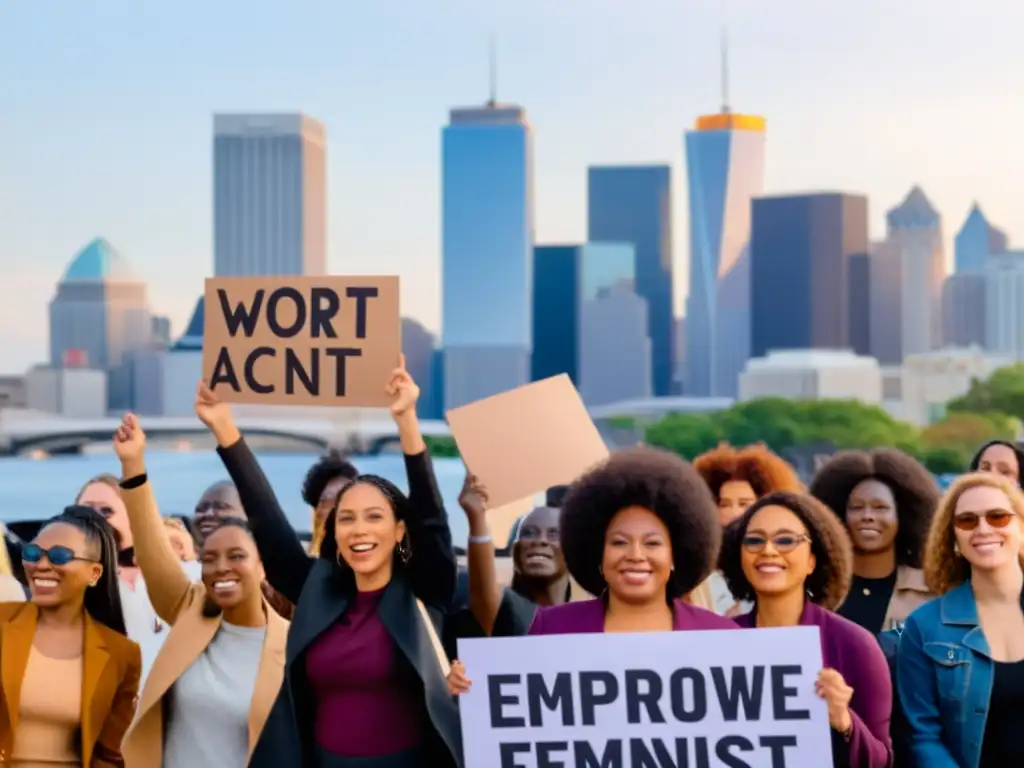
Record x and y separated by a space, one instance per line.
404 550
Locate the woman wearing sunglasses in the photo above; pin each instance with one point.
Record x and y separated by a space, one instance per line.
960 663
69 673
791 557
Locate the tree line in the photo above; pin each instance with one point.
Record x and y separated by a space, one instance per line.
991 409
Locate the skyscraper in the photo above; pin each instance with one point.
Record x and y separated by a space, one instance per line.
915 230
487 236
565 277
614 348
725 171
800 249
269 195
633 204
101 312
976 241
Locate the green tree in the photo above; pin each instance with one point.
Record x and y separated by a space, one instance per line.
943 461
782 424
963 432
441 447
688 434
1002 392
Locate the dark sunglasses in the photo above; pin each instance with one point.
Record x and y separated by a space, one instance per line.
783 543
33 553
996 518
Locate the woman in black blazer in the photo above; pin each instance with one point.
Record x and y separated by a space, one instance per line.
365 672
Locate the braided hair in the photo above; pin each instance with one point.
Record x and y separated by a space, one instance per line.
397 500
103 601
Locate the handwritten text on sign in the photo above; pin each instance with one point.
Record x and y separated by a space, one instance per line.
703 699
301 340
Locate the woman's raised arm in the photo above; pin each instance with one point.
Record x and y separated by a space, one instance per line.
169 588
433 569
285 561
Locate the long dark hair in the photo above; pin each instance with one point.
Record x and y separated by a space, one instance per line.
103 601
398 502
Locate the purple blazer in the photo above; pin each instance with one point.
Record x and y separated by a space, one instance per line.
587 616
855 654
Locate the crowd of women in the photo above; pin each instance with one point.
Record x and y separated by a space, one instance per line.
223 641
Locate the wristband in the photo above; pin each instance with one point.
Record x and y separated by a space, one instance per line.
479 539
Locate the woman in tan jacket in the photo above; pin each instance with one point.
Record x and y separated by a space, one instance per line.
218 673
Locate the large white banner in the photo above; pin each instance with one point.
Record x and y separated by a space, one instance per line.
700 699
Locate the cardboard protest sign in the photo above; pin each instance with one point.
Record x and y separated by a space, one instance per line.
301 340
711 699
528 439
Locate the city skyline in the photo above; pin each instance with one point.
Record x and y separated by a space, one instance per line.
136 166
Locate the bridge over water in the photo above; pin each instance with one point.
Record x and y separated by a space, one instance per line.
26 431
22 433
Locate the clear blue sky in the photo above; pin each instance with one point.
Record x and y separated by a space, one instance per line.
107 116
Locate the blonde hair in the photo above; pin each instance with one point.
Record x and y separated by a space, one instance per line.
943 567
106 479
176 524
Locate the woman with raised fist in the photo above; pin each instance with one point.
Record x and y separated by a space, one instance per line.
365 670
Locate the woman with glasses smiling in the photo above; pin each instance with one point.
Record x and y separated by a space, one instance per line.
792 558
69 674
960 664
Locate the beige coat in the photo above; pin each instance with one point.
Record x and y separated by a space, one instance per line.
180 602
910 591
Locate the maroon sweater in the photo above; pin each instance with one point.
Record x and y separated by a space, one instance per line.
368 702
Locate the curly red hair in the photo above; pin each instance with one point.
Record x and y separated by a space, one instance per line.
766 472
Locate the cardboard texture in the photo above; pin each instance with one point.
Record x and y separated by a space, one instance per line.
328 341
524 441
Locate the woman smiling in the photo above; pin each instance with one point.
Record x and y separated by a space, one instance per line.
215 679
641 531
69 674
961 657
792 557
364 684
886 499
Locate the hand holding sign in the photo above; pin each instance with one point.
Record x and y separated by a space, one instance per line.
831 686
216 415
210 409
403 391
458 683
473 496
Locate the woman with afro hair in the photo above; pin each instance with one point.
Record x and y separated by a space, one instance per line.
886 499
640 530
792 558
737 478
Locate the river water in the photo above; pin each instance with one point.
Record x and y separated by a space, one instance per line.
40 488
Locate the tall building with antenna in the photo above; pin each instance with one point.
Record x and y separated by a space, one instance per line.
725 171
486 249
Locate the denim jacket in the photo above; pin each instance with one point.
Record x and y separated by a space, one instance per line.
944 672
